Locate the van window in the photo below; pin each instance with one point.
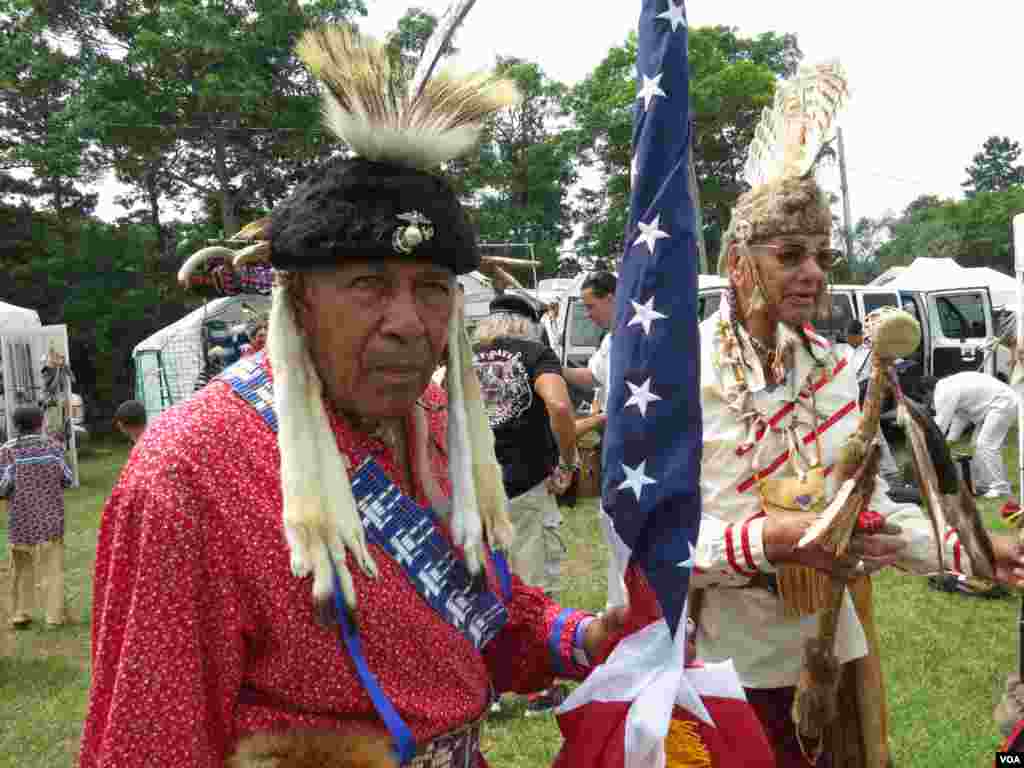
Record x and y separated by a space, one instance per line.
840 312
582 330
873 301
962 316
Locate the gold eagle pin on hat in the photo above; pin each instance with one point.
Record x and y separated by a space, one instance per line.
418 229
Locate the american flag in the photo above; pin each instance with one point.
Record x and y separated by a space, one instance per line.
653 440
620 715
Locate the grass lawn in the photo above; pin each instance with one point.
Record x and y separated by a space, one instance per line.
945 656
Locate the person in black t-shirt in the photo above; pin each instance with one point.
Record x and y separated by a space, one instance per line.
529 409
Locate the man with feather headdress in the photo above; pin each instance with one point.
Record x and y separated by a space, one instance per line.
779 411
326 488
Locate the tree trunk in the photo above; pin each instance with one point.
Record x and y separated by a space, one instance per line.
229 216
153 196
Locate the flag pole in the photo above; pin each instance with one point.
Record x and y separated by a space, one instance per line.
1016 374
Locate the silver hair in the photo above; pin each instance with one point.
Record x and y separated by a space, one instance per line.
506 325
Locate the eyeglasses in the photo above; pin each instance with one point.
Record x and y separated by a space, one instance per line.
792 255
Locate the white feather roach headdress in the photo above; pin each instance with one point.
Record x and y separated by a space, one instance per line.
799 123
416 127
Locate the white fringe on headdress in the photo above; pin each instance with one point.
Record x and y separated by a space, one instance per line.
479 503
320 516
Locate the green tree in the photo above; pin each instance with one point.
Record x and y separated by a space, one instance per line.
868 237
974 231
41 116
102 280
732 79
995 168
407 41
210 100
520 180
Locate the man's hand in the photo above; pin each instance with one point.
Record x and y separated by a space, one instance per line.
602 629
558 482
1009 559
783 532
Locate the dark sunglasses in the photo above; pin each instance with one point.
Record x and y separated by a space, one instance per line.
792 255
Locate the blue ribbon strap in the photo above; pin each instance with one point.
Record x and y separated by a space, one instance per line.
401 736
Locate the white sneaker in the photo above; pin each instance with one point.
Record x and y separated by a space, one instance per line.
992 493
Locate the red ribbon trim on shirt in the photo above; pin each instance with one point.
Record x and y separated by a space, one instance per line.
745 541
788 408
730 552
747 484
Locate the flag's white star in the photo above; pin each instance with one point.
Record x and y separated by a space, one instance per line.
650 89
641 397
636 479
645 315
691 561
650 233
676 15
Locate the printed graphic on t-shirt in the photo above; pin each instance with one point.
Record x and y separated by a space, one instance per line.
504 384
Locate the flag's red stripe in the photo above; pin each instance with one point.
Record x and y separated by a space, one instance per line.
747 484
788 408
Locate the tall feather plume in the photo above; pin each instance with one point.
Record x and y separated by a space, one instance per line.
368 105
793 130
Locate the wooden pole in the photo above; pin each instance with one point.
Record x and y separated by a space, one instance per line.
847 222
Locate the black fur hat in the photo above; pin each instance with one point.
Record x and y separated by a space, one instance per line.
360 209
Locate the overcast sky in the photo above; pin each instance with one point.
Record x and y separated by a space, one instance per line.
930 81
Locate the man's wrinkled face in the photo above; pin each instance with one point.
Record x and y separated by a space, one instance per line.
793 270
600 309
376 330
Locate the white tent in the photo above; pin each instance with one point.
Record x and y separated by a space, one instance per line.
928 274
168 363
1002 287
13 318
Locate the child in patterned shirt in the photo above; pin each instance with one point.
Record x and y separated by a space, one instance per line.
33 476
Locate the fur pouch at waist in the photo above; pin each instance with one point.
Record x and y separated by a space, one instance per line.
314 748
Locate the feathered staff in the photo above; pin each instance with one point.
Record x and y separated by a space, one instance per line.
1010 709
949 504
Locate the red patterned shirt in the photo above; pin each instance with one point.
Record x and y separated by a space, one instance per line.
202 635
33 475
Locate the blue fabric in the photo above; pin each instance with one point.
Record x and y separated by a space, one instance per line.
409 534
504 573
555 638
656 506
401 736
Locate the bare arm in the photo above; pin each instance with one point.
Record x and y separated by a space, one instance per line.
579 377
552 390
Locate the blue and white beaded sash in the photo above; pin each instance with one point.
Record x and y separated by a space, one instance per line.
401 527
